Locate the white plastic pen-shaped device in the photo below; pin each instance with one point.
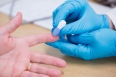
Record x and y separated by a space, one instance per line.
58 28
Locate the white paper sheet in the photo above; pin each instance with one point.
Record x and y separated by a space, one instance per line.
36 9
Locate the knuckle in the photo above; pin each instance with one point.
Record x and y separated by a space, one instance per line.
87 56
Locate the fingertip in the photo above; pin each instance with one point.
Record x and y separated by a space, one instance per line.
18 18
60 63
57 37
12 25
19 13
57 73
52 38
63 64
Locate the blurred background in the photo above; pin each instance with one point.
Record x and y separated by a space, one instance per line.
4 1
110 3
39 12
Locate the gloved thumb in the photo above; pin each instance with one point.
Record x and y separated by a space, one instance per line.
80 50
85 38
76 27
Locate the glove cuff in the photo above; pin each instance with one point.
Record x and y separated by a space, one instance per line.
112 16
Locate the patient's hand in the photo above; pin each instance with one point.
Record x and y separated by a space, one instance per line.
15 56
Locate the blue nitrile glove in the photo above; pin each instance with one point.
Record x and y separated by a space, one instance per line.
97 44
80 17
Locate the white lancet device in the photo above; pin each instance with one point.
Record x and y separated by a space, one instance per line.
59 27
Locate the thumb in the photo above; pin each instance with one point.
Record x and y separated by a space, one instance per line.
80 26
76 27
85 38
12 25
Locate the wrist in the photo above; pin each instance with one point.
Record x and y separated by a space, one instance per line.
112 17
111 24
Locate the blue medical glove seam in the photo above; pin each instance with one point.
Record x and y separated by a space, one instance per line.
107 20
92 52
56 11
76 9
77 53
113 52
115 47
112 48
89 57
106 23
76 6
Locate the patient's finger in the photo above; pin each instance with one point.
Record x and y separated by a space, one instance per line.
12 25
37 68
46 59
32 74
36 39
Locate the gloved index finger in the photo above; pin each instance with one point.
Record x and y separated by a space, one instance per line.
81 50
64 11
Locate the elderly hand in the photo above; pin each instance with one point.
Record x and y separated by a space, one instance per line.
15 56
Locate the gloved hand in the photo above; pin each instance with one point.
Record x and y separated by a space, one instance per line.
97 44
80 17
